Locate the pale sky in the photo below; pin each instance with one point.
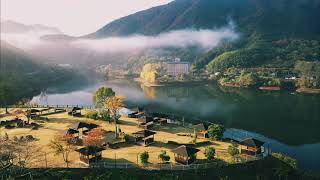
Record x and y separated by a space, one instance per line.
73 17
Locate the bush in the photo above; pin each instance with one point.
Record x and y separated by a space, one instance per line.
164 157
210 152
105 116
92 115
286 159
144 157
233 150
216 131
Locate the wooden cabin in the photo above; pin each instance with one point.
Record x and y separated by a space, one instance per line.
251 147
148 125
72 132
185 154
84 127
137 113
90 154
201 131
33 113
75 111
144 137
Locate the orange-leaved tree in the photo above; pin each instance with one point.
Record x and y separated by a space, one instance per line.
114 104
95 137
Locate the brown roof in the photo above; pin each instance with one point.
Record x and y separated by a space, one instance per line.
71 131
251 142
144 133
200 127
90 150
185 151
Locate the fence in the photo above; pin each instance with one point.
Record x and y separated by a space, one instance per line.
49 106
154 166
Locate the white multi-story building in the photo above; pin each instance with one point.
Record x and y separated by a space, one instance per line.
177 67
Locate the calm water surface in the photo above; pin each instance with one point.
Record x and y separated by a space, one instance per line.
289 123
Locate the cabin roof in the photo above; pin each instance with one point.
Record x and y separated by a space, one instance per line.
71 131
251 142
144 133
90 150
200 127
79 125
185 151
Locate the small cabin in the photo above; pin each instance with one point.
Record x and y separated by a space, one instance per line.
137 113
251 147
75 111
90 154
144 137
185 154
201 130
84 127
33 113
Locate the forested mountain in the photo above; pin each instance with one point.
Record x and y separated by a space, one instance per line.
273 33
286 18
22 76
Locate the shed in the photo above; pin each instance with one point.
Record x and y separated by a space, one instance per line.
90 154
185 154
251 146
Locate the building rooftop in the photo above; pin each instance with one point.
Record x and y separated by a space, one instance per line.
144 133
185 151
182 62
251 142
90 150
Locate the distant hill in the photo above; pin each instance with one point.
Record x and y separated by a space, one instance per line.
284 18
12 27
24 75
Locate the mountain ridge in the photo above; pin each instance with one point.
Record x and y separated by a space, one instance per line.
268 17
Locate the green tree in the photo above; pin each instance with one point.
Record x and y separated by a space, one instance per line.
248 79
144 157
164 157
216 131
5 95
233 150
210 152
101 95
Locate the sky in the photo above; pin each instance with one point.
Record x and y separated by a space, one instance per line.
73 17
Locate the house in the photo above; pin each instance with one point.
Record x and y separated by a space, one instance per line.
251 146
201 130
85 127
33 113
144 137
90 154
177 67
137 113
185 154
75 111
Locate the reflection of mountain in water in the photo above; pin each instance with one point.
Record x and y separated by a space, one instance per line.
280 115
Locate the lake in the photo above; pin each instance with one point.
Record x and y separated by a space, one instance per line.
287 122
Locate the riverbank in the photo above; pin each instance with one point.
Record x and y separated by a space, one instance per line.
308 91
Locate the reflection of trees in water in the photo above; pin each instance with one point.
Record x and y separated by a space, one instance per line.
265 112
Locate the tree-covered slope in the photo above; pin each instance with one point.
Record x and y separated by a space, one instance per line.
285 18
22 76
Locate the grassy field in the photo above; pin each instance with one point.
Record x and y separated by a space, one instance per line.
126 152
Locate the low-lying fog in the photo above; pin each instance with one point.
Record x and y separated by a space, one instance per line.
81 51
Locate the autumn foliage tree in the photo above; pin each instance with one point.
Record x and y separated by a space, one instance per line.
95 137
114 104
